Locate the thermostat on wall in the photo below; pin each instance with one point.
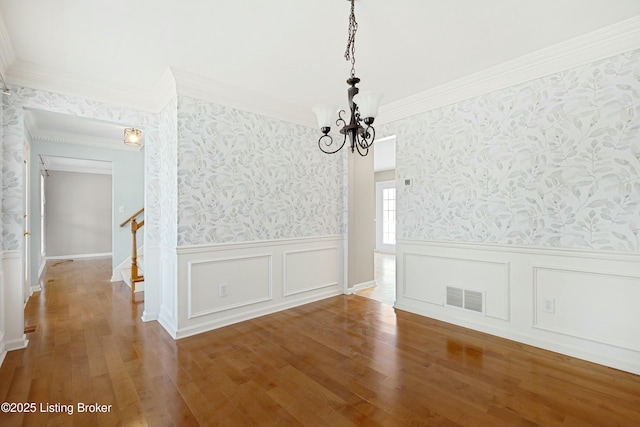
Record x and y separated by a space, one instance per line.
407 182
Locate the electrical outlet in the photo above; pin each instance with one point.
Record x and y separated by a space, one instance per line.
224 291
548 305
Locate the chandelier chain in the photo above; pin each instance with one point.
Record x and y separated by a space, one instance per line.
350 52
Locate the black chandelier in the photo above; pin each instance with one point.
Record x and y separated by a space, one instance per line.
363 107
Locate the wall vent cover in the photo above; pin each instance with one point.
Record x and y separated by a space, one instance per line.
465 299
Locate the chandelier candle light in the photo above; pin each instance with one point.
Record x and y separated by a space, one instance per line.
363 106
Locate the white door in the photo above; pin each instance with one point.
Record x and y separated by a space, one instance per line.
386 216
26 227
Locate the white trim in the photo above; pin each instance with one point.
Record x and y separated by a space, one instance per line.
16 344
624 365
539 250
149 317
612 40
210 247
192 315
285 277
165 89
11 254
245 315
623 36
35 76
204 88
79 256
567 332
360 286
7 55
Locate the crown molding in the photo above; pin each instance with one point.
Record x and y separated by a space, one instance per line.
43 135
609 41
27 74
7 56
199 87
77 168
165 90
612 40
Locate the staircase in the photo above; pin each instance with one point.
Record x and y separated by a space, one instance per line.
126 275
133 275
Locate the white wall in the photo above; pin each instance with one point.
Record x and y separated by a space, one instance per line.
78 214
529 193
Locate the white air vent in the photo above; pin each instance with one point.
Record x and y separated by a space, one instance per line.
465 299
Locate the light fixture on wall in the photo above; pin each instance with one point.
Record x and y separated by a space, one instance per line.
133 137
362 105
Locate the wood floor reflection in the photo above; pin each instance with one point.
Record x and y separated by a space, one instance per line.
385 279
343 361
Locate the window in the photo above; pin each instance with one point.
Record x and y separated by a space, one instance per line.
389 216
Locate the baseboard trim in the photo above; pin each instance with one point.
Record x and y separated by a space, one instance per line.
16 344
79 256
248 315
149 317
360 287
524 339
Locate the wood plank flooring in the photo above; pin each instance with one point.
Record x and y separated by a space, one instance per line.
344 361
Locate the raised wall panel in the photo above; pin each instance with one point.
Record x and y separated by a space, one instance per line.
427 276
247 279
591 305
309 269
262 277
593 296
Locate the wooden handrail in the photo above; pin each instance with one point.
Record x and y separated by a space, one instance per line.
135 226
131 217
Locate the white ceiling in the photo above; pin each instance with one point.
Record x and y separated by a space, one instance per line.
290 50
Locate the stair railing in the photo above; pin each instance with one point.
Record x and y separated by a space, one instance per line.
135 226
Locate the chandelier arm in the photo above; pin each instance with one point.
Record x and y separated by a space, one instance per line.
368 136
363 149
341 122
329 143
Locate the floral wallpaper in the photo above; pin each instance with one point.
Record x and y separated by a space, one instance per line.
168 171
551 162
247 177
13 137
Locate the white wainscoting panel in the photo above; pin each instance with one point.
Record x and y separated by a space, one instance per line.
309 269
594 295
260 277
427 276
247 281
3 350
589 305
13 301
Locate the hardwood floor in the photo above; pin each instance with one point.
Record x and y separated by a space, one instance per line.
343 361
385 279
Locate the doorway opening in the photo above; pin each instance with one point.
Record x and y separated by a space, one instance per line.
384 180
